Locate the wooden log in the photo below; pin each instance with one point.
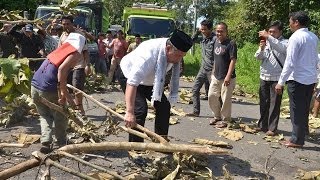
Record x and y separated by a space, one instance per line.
19 168
137 133
107 146
2 145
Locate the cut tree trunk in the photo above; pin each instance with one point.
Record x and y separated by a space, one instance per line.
107 146
19 168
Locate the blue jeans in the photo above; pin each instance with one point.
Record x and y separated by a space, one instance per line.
48 117
101 66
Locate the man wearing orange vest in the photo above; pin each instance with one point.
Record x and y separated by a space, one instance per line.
50 83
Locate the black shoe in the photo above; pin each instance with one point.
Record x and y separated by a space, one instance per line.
46 148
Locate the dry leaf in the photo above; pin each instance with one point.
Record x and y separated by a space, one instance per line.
173 121
212 143
178 112
226 173
247 129
172 175
308 175
151 116
230 134
120 108
26 138
185 96
274 139
314 123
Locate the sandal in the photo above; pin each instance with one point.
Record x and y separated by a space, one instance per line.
221 124
214 121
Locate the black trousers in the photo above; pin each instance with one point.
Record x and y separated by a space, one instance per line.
203 77
270 103
162 108
300 98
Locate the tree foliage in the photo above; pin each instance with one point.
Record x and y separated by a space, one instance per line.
246 17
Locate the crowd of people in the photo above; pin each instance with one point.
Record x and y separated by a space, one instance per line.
292 62
141 69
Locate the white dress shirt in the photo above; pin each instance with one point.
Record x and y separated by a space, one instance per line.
302 58
139 66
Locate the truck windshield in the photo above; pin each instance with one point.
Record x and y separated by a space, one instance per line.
82 19
150 27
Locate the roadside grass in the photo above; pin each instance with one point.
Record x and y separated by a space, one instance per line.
192 63
248 69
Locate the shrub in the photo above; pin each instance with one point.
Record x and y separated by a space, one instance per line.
248 69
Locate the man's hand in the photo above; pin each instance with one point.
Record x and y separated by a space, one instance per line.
130 120
278 89
264 34
262 44
64 96
226 81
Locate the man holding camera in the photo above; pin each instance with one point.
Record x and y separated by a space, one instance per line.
272 54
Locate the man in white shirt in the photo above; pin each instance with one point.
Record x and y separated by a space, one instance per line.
272 53
300 73
143 77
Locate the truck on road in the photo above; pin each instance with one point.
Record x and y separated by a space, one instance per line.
148 20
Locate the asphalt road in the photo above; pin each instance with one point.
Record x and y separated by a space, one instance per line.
247 159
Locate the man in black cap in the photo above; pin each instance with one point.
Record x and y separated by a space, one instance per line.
143 77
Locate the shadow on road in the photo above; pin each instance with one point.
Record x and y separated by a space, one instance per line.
235 166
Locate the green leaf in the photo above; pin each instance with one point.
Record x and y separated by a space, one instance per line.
6 88
9 68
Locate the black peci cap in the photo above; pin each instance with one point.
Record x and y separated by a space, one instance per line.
181 40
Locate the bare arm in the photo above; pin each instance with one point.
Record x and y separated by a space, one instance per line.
63 71
130 97
230 70
111 44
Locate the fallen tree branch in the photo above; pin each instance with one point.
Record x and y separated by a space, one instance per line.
148 132
114 174
107 146
212 143
17 21
137 133
19 168
49 162
61 110
2 145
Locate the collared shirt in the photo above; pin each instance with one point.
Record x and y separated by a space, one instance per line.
139 66
302 58
270 69
207 52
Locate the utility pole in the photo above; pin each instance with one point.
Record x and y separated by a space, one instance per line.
195 5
